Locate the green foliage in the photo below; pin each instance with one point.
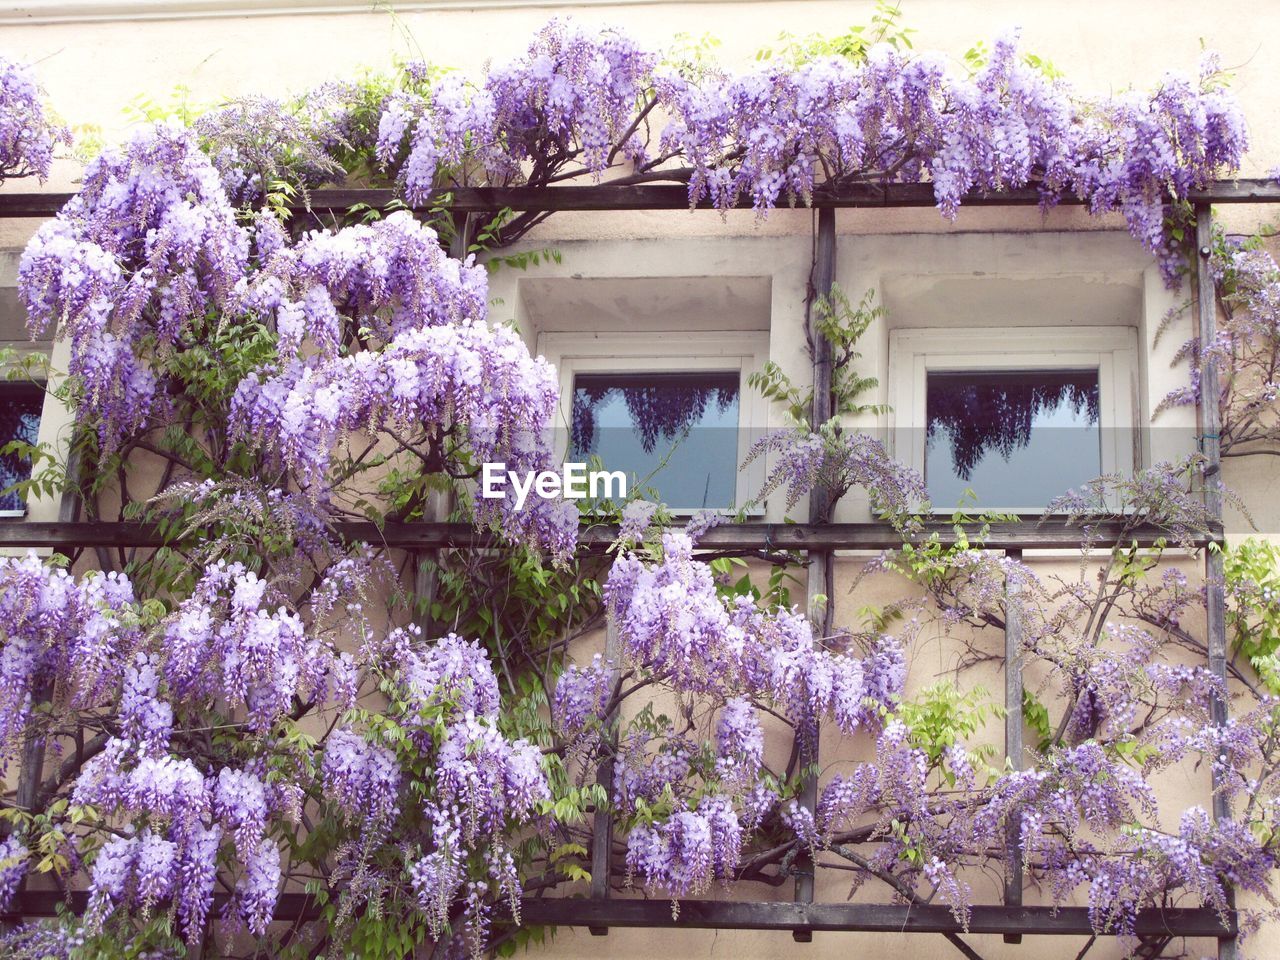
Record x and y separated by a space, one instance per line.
521 260
1252 572
942 716
386 933
1043 65
774 384
123 939
24 366
177 105
688 49
931 561
521 609
977 57
733 579
842 323
1036 716
488 242
48 474
206 368
885 26
1133 751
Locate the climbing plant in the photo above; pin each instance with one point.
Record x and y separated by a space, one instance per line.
259 706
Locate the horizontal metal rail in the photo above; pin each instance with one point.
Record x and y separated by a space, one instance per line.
1052 534
857 917
607 196
749 915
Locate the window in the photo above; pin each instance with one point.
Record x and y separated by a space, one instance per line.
673 413
1015 418
20 405
21 400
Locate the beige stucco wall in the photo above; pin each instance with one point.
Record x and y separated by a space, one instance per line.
1014 267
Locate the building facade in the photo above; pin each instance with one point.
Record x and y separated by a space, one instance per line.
1004 298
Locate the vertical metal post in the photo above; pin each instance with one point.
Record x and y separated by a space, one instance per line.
602 826
1012 736
821 562
424 588
1210 424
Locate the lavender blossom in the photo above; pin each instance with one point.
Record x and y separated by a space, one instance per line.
27 136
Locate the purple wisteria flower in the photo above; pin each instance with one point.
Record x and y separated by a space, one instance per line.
54 627
672 621
785 129
581 697
636 519
835 462
234 642
148 245
440 370
362 778
574 90
13 867
28 137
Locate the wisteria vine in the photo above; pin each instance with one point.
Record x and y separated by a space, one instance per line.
258 708
579 104
28 135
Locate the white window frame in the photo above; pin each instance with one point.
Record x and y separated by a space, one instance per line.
1112 351
672 352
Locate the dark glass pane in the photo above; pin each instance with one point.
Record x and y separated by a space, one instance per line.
1017 439
19 420
674 432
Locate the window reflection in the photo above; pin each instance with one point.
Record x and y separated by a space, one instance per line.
674 432
1017 439
20 406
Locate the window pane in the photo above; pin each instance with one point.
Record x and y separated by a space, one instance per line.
674 432
19 420
1016 439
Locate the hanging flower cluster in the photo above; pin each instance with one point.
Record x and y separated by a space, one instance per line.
686 852
483 787
675 626
673 622
234 645
57 632
433 376
13 868
148 246
27 136
386 278
233 648
783 130
362 778
831 460
573 96
150 250
176 817
80 644
581 698
263 144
